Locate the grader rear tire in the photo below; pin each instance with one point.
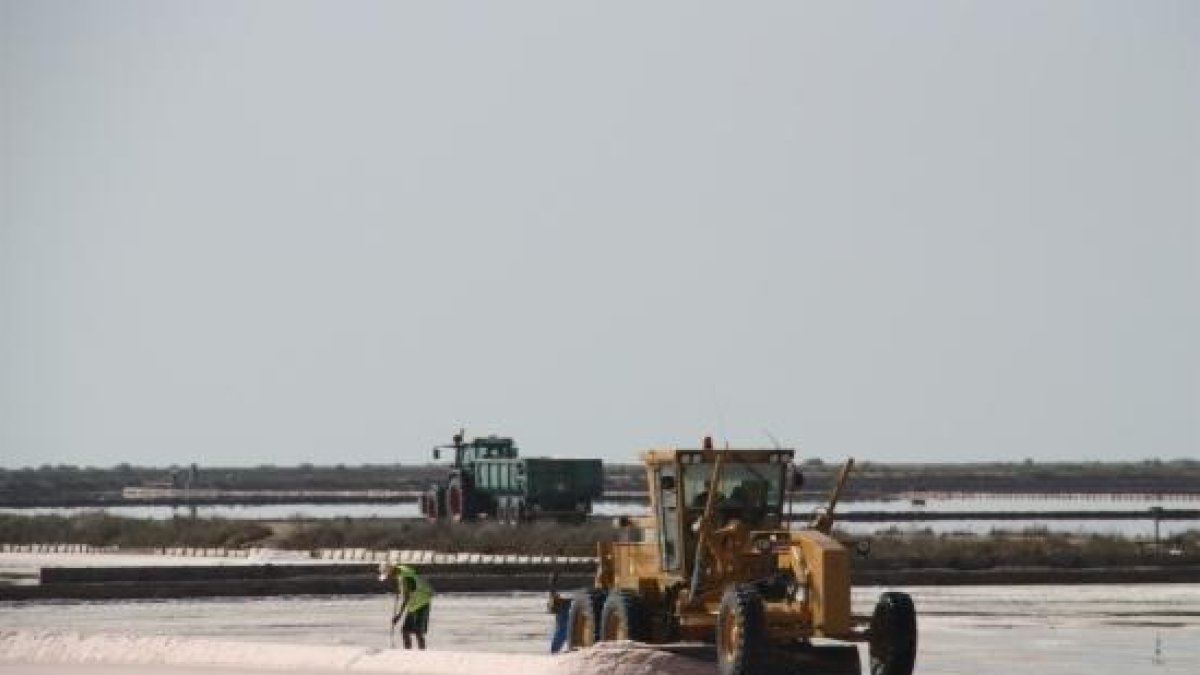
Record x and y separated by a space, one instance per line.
893 643
623 617
583 620
741 633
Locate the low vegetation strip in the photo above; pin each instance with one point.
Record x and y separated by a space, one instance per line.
101 529
372 540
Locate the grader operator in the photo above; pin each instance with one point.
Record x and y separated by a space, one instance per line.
715 562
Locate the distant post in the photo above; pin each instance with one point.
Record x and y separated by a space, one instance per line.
1156 513
192 479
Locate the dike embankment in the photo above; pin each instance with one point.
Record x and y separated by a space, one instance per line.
267 580
355 571
100 583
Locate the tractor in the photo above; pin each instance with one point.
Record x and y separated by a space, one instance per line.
489 479
715 562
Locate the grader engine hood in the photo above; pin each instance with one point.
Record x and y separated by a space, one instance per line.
821 566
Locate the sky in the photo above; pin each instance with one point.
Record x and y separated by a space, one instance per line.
250 233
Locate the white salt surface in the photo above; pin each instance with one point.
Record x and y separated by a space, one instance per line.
968 630
71 651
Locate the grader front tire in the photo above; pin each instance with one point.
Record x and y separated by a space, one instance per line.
741 632
893 643
623 617
583 619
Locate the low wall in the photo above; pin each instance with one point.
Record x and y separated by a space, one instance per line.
1012 576
488 581
479 582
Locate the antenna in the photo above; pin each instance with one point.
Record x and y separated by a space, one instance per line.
774 441
787 490
720 418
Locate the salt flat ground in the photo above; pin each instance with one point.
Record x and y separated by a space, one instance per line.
1047 630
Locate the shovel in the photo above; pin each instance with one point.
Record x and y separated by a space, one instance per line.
395 606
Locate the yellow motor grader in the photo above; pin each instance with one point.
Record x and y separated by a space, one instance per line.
715 562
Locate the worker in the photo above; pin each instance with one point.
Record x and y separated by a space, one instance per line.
747 502
415 596
560 607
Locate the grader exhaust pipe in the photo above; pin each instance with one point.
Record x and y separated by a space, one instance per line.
704 527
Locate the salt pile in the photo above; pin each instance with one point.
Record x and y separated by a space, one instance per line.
628 658
622 658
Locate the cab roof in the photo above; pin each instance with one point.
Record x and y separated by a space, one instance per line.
706 456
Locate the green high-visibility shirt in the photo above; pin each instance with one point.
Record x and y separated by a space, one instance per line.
416 589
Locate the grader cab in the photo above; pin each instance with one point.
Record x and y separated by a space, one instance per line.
715 562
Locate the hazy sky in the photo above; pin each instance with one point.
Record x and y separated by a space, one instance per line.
277 232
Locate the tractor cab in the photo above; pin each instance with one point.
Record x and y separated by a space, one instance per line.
487 447
490 447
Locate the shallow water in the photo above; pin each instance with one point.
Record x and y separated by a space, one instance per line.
1132 528
971 629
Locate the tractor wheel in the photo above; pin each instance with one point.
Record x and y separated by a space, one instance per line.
583 621
623 617
429 506
741 632
454 502
893 643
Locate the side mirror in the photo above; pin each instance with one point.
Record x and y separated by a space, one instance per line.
437 453
666 483
796 480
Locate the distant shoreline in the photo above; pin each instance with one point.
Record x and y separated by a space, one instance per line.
256 579
49 486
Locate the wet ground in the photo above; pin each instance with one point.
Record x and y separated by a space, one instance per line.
1039 629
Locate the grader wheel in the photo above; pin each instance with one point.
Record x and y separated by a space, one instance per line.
623 617
741 632
893 642
583 619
